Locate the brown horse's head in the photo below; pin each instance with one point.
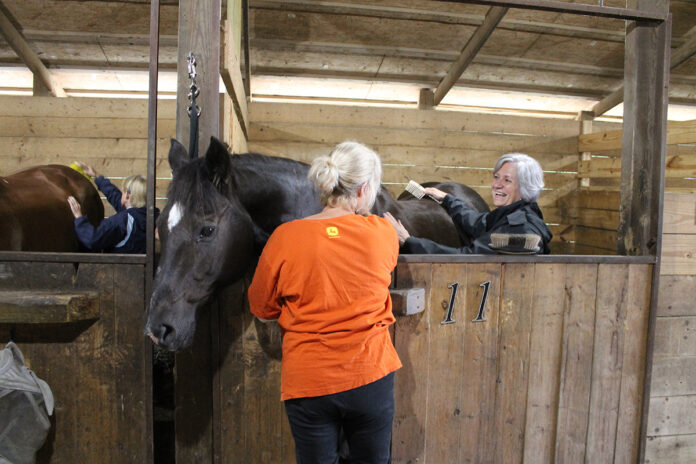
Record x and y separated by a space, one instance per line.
206 238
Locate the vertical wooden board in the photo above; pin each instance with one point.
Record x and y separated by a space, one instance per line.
231 373
478 439
411 382
544 362
576 362
635 336
262 409
612 302
132 358
514 326
444 413
194 395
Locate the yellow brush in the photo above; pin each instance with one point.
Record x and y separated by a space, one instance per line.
79 169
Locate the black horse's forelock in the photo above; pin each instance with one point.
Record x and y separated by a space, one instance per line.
192 187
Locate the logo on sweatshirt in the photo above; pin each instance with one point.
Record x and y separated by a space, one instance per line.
332 232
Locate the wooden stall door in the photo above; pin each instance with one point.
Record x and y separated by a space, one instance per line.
521 362
97 363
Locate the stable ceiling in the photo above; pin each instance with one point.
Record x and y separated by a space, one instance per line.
401 41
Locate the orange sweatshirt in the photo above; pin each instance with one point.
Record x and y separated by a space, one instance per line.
326 281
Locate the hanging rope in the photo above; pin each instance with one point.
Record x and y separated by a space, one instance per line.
193 110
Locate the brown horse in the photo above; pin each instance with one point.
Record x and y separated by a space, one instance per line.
34 210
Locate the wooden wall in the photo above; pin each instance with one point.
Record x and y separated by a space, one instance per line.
593 209
671 425
426 145
109 134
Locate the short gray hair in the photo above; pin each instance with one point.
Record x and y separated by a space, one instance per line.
340 175
530 176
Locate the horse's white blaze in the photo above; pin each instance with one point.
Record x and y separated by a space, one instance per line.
175 215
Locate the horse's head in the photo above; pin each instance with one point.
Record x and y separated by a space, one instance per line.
206 239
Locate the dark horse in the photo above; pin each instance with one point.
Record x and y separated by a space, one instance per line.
34 210
220 211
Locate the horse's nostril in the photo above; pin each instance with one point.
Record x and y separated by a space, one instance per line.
166 330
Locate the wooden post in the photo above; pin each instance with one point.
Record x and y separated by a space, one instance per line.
586 118
644 136
199 33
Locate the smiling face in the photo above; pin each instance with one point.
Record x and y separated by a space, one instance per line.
505 186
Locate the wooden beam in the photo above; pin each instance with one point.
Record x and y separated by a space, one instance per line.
680 55
20 45
628 14
443 17
472 47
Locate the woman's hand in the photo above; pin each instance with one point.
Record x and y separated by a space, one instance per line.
401 231
75 207
436 194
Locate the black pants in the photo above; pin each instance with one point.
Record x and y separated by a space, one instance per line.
365 414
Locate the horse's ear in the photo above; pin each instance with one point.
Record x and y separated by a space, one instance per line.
217 162
178 156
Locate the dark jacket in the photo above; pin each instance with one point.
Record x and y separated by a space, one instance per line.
124 232
521 217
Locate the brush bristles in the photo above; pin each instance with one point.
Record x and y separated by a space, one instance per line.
528 242
415 189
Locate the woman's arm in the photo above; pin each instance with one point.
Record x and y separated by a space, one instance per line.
263 291
112 193
103 237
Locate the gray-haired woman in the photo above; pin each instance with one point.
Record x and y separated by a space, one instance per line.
515 226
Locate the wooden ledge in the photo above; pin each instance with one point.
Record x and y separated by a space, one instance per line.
30 307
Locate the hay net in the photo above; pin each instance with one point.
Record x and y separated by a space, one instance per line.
26 402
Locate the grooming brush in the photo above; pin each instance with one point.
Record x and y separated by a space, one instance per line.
515 243
417 190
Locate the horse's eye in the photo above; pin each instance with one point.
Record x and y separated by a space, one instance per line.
206 231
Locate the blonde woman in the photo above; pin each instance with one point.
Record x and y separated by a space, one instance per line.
325 278
124 232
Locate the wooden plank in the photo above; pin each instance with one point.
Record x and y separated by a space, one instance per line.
513 371
678 254
423 156
82 108
679 214
612 296
672 415
270 132
666 450
545 362
599 238
611 167
673 335
230 71
477 440
576 363
682 133
64 126
673 376
444 419
635 337
22 307
412 341
676 295
332 115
